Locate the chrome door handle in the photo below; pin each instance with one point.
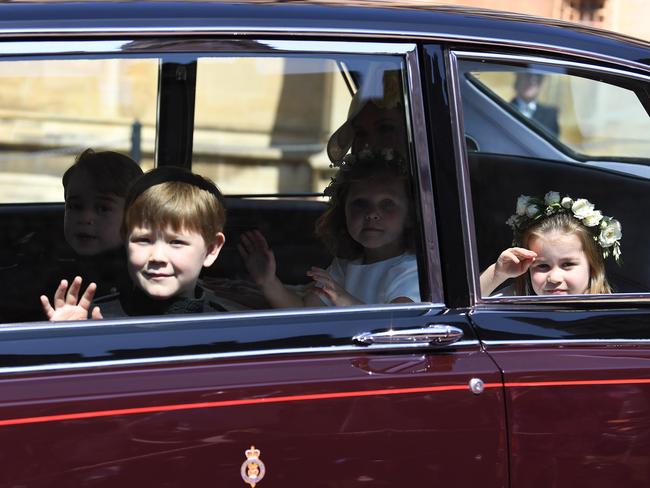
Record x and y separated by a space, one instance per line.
433 334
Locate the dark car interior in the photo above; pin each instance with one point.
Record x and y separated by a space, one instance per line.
33 247
498 180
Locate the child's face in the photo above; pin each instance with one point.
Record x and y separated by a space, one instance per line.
376 212
167 263
561 266
92 220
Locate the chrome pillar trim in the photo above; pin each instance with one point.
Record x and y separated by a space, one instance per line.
424 180
432 335
462 169
548 62
175 360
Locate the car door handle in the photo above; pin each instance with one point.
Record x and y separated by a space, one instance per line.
433 334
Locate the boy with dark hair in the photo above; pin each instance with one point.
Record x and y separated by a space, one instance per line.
95 187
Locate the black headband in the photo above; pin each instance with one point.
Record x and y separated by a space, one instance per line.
164 174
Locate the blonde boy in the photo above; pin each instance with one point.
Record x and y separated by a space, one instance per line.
173 227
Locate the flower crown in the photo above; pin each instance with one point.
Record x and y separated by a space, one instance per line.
372 159
606 231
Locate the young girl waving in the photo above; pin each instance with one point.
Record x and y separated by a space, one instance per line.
561 245
368 227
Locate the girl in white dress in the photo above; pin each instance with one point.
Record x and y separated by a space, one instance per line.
368 227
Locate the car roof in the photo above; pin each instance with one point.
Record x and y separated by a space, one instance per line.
361 19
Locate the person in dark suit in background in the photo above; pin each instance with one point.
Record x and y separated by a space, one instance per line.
527 88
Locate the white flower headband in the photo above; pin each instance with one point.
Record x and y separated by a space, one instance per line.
372 158
606 230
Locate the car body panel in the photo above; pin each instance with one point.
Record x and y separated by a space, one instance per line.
577 388
337 418
577 414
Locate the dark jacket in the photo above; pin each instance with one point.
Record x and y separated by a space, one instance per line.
545 115
25 282
136 303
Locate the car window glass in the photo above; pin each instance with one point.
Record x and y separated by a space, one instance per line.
592 118
53 109
267 120
283 137
550 158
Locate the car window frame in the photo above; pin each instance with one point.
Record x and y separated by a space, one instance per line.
428 253
573 69
462 164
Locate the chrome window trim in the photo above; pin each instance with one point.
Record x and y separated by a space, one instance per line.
462 171
468 224
631 298
131 46
338 47
566 342
515 58
229 316
420 136
407 348
255 31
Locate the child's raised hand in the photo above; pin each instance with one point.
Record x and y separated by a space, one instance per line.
68 305
511 263
258 257
327 286
514 262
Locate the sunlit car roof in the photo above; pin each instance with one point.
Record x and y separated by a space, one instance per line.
385 19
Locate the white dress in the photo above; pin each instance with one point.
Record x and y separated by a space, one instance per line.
380 282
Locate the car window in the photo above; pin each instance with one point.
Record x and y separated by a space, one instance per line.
592 118
552 149
52 109
286 138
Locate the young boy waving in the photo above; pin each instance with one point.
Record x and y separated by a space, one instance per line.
173 227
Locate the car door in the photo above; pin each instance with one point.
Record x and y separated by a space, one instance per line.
386 395
576 368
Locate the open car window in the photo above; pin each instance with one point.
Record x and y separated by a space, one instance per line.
52 109
544 139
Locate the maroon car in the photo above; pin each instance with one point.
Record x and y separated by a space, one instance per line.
453 388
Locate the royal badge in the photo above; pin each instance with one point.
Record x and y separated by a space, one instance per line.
253 469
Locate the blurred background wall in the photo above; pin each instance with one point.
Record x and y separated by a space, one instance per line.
625 16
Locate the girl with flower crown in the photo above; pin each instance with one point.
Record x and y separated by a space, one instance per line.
560 248
368 227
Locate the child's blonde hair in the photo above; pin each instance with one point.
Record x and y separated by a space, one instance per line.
564 223
173 197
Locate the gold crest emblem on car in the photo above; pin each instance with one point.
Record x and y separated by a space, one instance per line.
253 469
